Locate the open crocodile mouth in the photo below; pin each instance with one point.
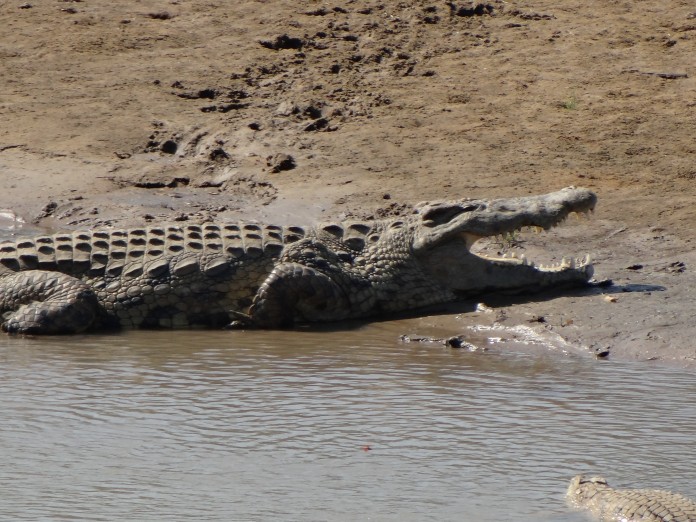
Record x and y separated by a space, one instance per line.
506 255
465 269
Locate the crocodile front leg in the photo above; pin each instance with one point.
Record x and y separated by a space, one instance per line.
294 291
43 302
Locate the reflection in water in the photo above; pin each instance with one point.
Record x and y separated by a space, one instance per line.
277 426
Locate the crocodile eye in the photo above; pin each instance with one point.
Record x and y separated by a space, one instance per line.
437 215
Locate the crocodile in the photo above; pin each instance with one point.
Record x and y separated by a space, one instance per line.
271 276
629 505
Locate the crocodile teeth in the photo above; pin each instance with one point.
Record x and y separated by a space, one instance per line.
581 261
567 263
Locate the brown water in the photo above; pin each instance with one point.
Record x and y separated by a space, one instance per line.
276 426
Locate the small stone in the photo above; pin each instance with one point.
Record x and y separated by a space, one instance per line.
169 147
218 154
317 125
283 42
475 10
601 353
281 161
162 15
49 208
483 307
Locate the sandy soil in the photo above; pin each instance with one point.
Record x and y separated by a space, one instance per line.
139 111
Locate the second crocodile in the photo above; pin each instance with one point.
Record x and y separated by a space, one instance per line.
629 505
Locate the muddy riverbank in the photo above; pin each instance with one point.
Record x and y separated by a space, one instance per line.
141 112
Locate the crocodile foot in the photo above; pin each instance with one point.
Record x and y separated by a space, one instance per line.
242 321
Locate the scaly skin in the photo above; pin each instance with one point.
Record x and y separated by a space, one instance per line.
629 505
270 276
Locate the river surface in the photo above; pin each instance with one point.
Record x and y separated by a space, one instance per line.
316 425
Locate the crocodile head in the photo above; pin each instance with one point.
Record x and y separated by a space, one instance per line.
445 232
584 487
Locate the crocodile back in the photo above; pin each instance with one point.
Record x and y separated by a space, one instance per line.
629 505
129 253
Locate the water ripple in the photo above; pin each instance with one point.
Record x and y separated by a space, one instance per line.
314 426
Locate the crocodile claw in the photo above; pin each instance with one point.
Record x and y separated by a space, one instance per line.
241 321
